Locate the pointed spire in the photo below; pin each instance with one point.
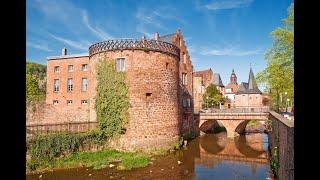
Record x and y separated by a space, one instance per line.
251 81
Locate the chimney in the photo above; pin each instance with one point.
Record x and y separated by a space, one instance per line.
156 36
178 31
64 52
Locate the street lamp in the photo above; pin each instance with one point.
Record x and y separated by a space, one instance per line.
288 100
207 102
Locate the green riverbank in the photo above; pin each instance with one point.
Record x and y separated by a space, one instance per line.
97 160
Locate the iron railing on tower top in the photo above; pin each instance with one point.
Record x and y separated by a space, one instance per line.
134 44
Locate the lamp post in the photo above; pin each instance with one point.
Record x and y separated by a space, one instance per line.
288 100
207 102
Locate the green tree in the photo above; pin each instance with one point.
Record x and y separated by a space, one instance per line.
35 81
212 97
112 101
39 72
278 77
32 89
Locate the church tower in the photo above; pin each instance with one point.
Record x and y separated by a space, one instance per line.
233 78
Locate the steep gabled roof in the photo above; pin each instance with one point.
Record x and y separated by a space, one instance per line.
250 87
217 80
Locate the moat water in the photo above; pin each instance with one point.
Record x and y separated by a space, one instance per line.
210 156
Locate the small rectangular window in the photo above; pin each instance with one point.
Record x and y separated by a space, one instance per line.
84 101
70 84
70 68
189 102
56 85
120 65
69 102
184 103
184 78
84 84
55 102
56 69
84 67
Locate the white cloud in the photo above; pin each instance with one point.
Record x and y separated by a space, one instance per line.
71 16
82 45
97 31
43 47
140 29
228 4
229 52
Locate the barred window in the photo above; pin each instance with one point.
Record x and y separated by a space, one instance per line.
70 68
84 67
70 84
84 84
120 65
56 85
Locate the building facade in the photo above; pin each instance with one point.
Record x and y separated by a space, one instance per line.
158 75
248 94
201 80
230 90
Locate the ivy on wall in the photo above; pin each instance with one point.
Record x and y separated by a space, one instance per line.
112 101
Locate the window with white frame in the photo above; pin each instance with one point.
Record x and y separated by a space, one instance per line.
84 67
55 102
84 84
56 69
84 101
184 78
70 84
70 68
56 85
69 102
120 65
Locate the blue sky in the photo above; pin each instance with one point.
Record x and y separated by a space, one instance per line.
220 34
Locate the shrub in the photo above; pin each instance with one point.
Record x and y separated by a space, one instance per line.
112 100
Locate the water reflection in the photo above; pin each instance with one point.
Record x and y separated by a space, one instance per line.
211 156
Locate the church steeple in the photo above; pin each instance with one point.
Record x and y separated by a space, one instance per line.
233 78
251 81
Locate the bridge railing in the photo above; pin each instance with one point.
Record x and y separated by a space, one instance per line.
238 110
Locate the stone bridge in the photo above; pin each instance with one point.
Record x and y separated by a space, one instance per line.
234 120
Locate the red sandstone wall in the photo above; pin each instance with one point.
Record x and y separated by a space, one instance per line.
48 113
152 122
63 95
186 123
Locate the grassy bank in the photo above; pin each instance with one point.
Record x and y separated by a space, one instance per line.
97 160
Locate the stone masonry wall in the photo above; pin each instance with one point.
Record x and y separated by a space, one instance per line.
282 137
153 120
50 114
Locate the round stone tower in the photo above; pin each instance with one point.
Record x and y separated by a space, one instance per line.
152 76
